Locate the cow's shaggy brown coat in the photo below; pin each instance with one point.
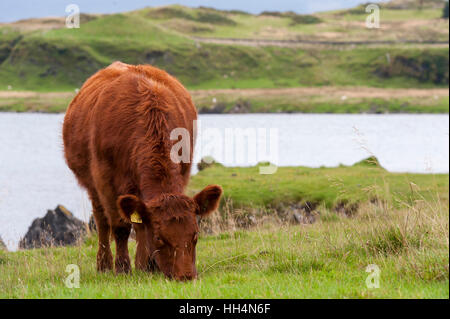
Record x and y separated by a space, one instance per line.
117 142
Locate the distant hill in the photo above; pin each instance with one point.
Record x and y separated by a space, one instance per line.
408 50
415 4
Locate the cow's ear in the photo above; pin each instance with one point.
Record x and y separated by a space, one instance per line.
208 200
131 208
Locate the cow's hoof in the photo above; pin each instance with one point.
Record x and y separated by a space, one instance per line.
104 262
123 266
104 267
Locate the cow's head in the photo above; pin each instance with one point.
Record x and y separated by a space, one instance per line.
167 229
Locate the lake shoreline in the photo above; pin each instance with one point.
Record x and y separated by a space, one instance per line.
306 195
304 100
34 167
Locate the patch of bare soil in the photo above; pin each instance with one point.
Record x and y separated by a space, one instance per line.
350 92
315 43
30 94
331 92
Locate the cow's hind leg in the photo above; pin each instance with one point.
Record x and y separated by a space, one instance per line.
104 255
122 262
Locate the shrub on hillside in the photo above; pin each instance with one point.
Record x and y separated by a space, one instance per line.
224 11
205 15
413 4
305 19
272 13
168 13
214 18
295 18
427 67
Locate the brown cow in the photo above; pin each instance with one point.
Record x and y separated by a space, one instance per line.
117 142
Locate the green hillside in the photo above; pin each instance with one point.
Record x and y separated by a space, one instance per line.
34 56
398 23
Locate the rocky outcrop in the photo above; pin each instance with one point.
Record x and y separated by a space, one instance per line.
57 228
205 162
217 108
2 244
304 213
241 106
92 225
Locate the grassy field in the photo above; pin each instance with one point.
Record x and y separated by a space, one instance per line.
405 234
322 100
42 55
324 26
330 187
45 63
357 215
324 260
302 100
35 102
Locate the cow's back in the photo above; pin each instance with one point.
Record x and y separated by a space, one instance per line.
105 119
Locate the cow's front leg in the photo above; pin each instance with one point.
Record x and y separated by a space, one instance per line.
144 260
122 261
104 256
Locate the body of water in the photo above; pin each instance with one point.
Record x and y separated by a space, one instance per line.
34 176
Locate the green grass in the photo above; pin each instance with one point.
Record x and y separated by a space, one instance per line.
330 187
389 14
293 103
291 26
47 64
62 59
405 233
256 102
324 260
39 103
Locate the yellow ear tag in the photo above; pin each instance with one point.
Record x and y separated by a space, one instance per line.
136 218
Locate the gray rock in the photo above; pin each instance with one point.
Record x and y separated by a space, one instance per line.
92 225
243 220
57 228
217 108
2 244
205 162
298 218
303 217
241 106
